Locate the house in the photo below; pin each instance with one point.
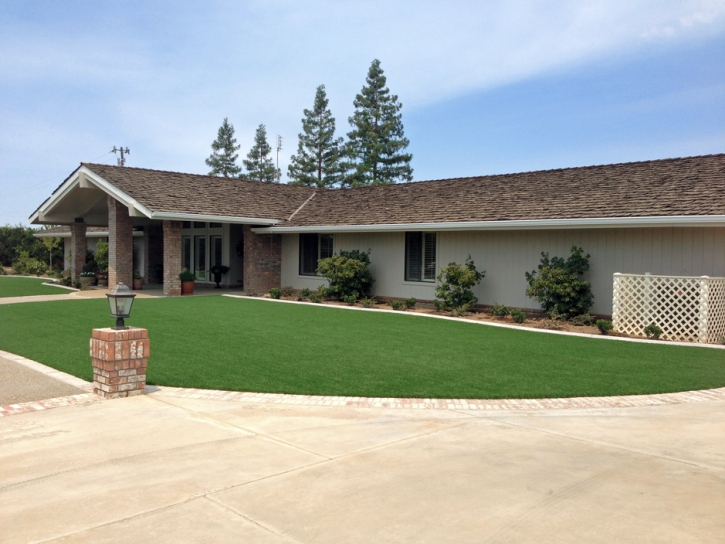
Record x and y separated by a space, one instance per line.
663 217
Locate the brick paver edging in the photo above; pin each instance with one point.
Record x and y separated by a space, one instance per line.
493 405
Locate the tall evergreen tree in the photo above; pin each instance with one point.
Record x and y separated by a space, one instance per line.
259 163
317 161
376 144
223 159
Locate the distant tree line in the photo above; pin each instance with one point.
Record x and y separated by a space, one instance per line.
374 153
18 239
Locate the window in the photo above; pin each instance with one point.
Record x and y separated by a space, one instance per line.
216 250
199 225
313 247
186 252
215 225
420 256
186 224
200 257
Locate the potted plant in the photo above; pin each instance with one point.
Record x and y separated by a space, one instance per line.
137 281
88 278
219 270
102 279
187 282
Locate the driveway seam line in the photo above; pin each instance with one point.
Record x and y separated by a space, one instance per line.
247 518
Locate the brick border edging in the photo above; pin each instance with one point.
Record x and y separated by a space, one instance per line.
489 323
491 405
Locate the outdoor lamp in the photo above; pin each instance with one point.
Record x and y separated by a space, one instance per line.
120 298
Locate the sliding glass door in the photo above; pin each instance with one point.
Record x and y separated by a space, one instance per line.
200 258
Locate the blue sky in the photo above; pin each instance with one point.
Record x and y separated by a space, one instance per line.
486 87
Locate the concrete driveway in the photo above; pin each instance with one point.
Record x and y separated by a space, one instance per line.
161 469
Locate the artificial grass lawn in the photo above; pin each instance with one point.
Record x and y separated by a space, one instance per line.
11 286
254 345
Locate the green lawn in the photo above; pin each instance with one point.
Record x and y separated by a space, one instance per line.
252 345
23 287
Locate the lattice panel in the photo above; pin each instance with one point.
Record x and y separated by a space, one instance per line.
690 309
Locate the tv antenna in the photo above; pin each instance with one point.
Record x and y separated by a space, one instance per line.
124 152
279 148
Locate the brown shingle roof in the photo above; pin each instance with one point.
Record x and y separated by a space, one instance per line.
669 187
175 192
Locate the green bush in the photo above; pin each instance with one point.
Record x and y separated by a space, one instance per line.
454 286
368 302
101 257
499 311
398 305
187 276
557 284
410 303
275 292
77 284
461 311
348 273
518 316
324 292
67 281
27 265
315 297
653 331
605 326
288 291
305 293
583 319
350 300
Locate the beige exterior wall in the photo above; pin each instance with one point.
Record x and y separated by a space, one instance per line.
505 256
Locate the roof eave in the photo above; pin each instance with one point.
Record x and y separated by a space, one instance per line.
529 224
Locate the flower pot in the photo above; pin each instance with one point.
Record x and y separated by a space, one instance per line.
87 281
217 279
187 287
137 284
103 282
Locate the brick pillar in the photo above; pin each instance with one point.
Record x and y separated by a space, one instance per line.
119 360
172 258
120 244
262 261
154 257
77 248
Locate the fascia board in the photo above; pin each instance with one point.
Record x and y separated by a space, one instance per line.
115 192
96 234
172 216
533 224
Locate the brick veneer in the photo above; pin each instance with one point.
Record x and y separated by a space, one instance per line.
154 257
120 244
172 258
262 261
119 360
78 248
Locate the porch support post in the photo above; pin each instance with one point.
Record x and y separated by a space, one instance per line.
120 244
78 248
262 261
172 258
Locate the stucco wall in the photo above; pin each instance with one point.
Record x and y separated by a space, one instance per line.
505 256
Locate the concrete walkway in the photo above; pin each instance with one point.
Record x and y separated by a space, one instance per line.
164 469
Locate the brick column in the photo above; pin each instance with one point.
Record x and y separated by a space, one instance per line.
120 244
262 261
154 257
172 258
119 360
77 248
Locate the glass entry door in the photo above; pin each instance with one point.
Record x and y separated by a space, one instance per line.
215 250
200 257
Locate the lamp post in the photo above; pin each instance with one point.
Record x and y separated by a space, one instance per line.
120 299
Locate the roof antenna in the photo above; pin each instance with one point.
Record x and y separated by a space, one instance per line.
279 148
124 152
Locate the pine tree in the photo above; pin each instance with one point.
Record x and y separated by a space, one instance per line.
259 163
376 145
317 161
223 160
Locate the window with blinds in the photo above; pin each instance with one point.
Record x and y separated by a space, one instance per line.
420 256
314 247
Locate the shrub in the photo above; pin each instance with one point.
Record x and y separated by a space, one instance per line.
558 286
323 291
550 324
398 305
67 281
410 303
348 273
350 300
583 319
315 297
275 292
25 264
101 256
305 293
461 311
604 326
368 303
454 285
499 311
187 276
2 271
653 331
288 291
77 284
518 316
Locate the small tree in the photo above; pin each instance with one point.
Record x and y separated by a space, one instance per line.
455 283
348 273
102 257
223 159
317 161
557 284
259 163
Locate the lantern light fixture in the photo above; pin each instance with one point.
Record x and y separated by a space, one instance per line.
120 299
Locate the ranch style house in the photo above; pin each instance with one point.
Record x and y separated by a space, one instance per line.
665 217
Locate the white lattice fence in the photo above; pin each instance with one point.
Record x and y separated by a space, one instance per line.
686 308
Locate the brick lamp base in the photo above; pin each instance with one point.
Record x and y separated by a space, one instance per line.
119 361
